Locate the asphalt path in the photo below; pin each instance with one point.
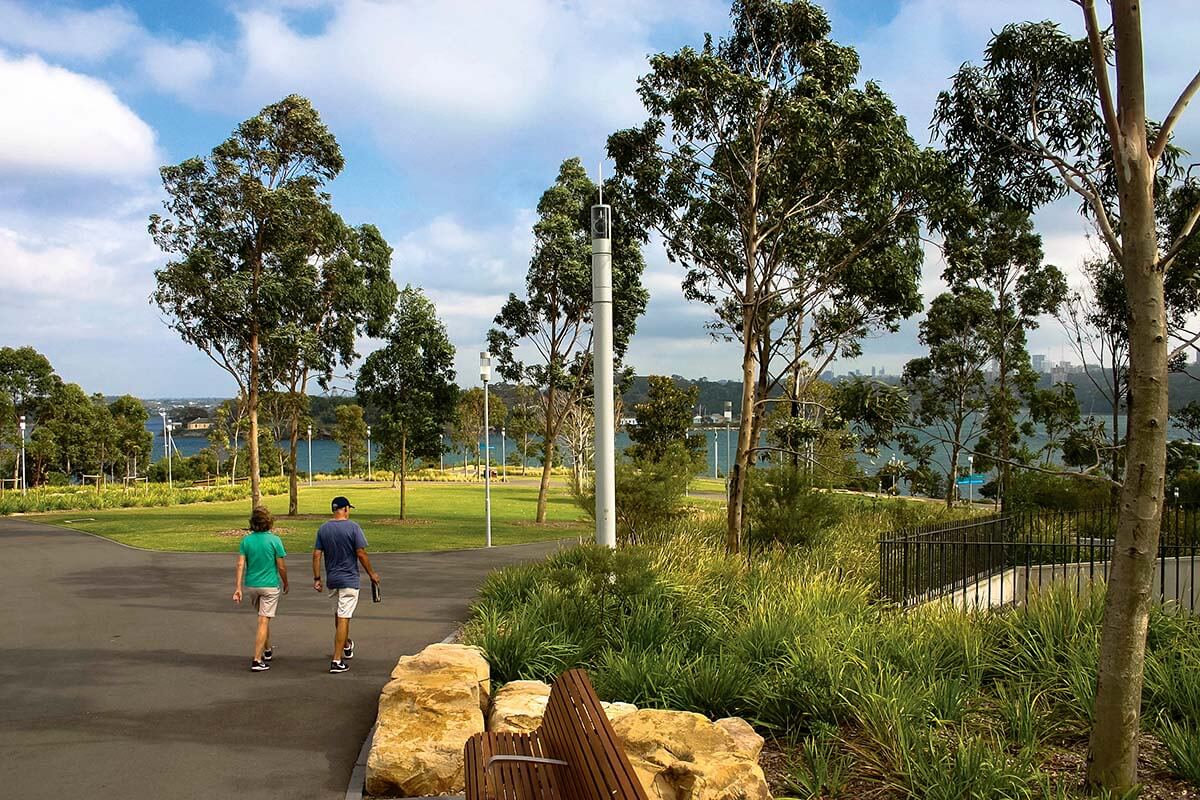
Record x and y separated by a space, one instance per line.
125 673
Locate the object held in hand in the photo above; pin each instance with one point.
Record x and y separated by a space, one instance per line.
376 595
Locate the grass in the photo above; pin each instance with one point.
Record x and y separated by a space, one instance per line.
441 517
870 701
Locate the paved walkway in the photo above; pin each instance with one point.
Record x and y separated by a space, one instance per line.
124 673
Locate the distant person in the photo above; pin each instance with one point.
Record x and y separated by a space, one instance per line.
261 565
344 546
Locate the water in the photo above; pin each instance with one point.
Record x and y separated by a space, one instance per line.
325 452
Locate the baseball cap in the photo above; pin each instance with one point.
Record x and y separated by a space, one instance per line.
340 502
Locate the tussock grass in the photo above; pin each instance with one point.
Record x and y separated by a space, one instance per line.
930 703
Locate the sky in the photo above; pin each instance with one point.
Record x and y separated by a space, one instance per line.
453 118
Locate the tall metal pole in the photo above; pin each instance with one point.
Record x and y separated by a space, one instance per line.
368 452
485 373
170 447
716 441
503 460
728 449
310 455
971 479
602 374
24 480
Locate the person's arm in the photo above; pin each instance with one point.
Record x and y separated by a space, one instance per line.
282 567
241 572
366 562
317 570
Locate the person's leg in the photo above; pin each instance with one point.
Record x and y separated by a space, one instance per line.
260 637
341 634
267 644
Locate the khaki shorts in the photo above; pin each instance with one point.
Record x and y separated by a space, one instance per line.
264 598
344 602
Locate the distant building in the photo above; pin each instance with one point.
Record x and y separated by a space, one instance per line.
199 425
1039 363
629 421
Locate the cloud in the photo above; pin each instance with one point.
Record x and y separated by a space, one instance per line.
89 35
60 122
179 68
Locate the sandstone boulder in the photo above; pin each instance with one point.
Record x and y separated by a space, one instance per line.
518 707
683 756
744 736
429 709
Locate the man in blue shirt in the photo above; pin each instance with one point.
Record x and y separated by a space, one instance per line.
344 547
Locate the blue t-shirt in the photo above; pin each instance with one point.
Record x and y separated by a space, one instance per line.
340 540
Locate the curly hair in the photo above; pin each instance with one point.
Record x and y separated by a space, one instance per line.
261 519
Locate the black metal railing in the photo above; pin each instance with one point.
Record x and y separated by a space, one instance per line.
1000 559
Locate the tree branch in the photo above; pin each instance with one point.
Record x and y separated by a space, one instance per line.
1100 70
1164 133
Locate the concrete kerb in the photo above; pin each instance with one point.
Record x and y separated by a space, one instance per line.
358 777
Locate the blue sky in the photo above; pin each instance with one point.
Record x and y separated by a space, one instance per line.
453 117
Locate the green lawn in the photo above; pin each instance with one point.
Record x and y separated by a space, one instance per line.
441 517
716 485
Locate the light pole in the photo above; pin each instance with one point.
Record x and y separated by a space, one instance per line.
970 479
368 452
24 481
485 374
503 449
602 374
310 455
716 473
728 451
167 446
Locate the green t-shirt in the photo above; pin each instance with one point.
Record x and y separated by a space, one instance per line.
261 548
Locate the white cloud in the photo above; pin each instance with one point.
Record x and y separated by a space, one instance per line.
73 33
178 67
60 122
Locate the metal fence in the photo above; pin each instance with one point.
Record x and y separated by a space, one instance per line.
1001 559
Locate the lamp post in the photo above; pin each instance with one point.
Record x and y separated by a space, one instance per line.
503 453
310 455
716 472
728 451
368 452
485 375
970 479
167 446
24 481
602 374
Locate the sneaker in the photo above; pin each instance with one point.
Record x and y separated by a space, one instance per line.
268 653
338 666
259 666
348 650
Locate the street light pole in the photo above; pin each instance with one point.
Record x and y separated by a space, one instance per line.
716 453
310 455
368 452
970 479
485 374
728 450
602 374
24 480
503 460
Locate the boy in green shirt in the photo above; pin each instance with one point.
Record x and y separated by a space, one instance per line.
261 564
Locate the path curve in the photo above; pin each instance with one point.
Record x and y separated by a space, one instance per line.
124 673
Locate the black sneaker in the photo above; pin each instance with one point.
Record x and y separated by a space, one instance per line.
348 650
268 653
259 666
338 666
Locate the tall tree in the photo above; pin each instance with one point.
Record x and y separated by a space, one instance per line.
133 441
239 225
1057 411
26 380
554 319
409 384
524 419
997 250
468 420
665 419
343 290
1188 418
1037 120
948 386
350 432
787 191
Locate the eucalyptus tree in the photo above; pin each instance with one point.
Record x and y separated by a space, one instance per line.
130 437
948 387
467 420
788 192
238 225
544 339
1037 120
524 419
1057 410
350 432
343 290
26 381
997 250
409 384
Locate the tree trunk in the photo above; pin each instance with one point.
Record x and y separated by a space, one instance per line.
293 478
403 471
955 451
1113 751
252 408
737 471
549 431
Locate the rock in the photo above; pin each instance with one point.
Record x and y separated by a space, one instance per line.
518 707
744 736
429 709
614 711
683 756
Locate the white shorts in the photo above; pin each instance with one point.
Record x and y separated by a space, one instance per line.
344 602
265 599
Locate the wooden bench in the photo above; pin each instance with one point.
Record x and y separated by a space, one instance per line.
574 754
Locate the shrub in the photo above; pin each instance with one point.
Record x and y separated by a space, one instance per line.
782 507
